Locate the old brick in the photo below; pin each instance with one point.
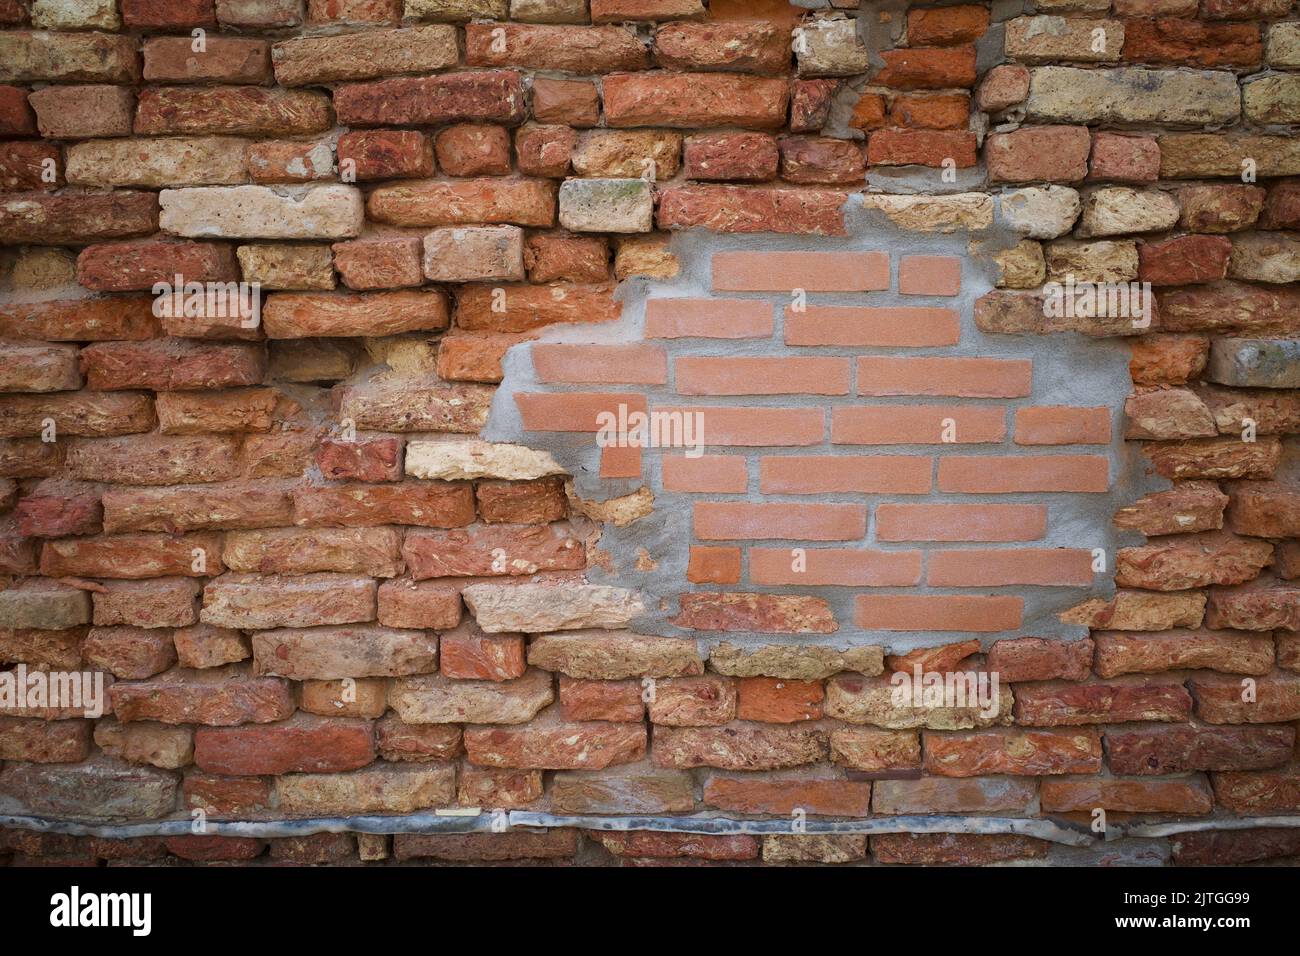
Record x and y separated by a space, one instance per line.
203 645
830 46
223 60
1228 847
39 56
782 794
693 701
1053 704
866 700
307 60
570 102
436 699
1065 94
1215 458
960 849
810 104
739 746
1052 153
331 653
630 789
489 96
77 218
47 649
474 253
429 505
499 789
226 797
253 601
582 49
1025 752
753 46
40 368
1192 43
545 150
403 405
493 847
745 156
301 744
158 602
133 556
690 100
98 789
1003 86
745 210
548 743
1223 699
43 605
1184 260
44 742
383 789
1180 749
146 742
1258 792
791 614
1178 563
259 212
1189 795
218 696
524 202
232 109
925 68
421 743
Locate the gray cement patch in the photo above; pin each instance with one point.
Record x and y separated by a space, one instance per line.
1069 369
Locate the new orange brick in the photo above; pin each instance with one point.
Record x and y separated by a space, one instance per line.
903 327
964 377
758 426
929 275
574 411
850 567
709 565
810 271
601 364
994 568
620 462
705 375
917 424
900 522
935 612
1062 425
1004 475
720 474
726 521
708 319
876 474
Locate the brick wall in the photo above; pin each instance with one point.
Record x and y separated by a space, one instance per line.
356 545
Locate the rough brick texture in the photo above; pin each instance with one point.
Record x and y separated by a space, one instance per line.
358 518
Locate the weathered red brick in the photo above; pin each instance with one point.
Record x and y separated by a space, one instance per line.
218 697
490 96
1054 704
576 49
689 100
385 154
230 109
301 744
